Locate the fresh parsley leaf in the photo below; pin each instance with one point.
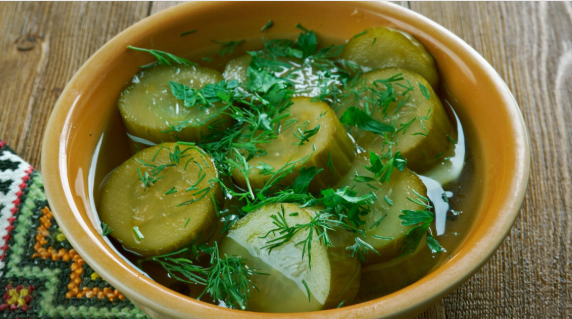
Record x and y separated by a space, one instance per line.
383 172
307 42
300 185
354 116
434 244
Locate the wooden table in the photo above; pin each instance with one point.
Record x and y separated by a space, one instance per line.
529 44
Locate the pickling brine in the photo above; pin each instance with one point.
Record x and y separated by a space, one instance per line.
294 178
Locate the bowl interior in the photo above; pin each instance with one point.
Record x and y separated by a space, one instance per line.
490 117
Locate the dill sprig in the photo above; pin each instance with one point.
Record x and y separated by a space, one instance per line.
227 278
304 135
361 248
163 58
227 47
105 229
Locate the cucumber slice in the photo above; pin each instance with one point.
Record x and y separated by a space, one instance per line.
331 147
333 277
384 47
147 220
387 277
236 68
425 126
307 77
399 187
147 104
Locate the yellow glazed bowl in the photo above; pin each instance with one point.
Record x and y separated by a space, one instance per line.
492 121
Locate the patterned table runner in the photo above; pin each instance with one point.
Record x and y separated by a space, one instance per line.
41 274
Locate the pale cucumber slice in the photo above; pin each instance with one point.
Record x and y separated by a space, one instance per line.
308 77
236 68
332 278
147 220
147 105
384 278
425 127
330 149
383 47
400 187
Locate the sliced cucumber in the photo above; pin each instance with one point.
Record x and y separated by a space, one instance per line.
383 47
422 122
333 277
236 68
308 77
163 216
148 107
331 147
400 186
384 278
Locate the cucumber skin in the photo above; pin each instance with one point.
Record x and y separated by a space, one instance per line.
383 47
155 130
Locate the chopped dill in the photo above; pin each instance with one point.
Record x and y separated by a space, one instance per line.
425 91
171 191
105 229
137 233
188 32
359 34
163 58
267 26
227 47
388 200
307 289
330 163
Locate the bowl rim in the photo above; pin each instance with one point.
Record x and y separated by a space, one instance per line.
58 192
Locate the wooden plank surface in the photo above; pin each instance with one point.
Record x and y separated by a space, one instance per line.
529 44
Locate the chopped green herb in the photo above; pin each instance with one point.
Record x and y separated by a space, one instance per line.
105 229
361 248
388 200
354 116
451 139
188 32
377 222
382 171
424 91
227 279
359 34
330 163
227 47
267 26
304 136
163 58
434 244
171 191
137 233
307 289
382 237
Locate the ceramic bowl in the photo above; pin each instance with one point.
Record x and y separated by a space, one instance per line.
491 118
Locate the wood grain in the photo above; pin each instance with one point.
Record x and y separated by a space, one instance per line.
529 44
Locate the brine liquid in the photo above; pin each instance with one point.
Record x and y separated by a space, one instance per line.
462 196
